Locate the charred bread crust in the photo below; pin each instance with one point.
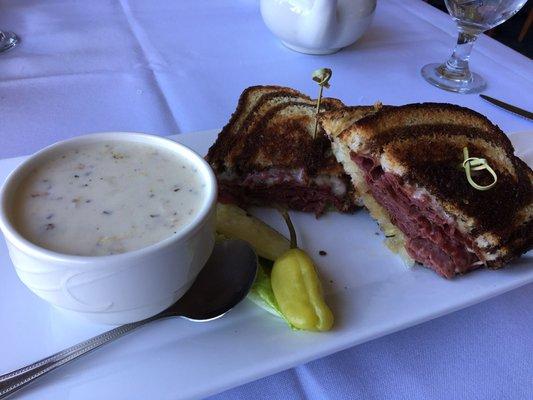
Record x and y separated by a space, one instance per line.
213 154
230 141
431 113
520 241
390 118
266 109
245 107
287 142
237 144
495 136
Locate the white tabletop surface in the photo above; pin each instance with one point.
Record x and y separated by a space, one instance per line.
171 67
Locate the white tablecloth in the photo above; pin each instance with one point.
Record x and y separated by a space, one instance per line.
170 67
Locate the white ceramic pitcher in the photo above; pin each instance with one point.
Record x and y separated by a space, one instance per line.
317 26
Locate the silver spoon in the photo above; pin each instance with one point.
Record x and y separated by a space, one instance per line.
223 282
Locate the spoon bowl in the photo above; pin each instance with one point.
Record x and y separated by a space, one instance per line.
224 281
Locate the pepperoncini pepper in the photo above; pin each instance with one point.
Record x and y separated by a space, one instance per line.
297 288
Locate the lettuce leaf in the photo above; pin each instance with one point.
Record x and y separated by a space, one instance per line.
261 293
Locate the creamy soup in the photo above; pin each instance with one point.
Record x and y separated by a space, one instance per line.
107 197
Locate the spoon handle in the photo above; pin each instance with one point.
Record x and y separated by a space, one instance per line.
15 380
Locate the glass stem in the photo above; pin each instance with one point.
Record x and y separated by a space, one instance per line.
457 65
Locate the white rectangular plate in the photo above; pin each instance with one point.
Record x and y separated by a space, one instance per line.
370 290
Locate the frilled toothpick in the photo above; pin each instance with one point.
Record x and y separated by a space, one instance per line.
322 77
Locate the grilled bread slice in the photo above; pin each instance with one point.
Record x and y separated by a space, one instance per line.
254 101
267 155
406 165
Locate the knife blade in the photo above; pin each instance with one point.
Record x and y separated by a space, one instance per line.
508 107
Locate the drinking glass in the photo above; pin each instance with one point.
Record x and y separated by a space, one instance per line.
472 17
7 40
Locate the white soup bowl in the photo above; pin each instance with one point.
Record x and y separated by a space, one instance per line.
119 288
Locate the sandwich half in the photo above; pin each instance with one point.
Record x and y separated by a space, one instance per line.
405 164
266 155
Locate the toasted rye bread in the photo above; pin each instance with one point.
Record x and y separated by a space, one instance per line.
283 138
263 120
247 101
422 144
272 131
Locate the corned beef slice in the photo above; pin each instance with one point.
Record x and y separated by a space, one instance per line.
296 196
432 239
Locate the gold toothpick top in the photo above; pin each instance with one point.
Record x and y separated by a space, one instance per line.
477 164
322 77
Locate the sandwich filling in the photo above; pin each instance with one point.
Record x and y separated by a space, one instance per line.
288 187
431 237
